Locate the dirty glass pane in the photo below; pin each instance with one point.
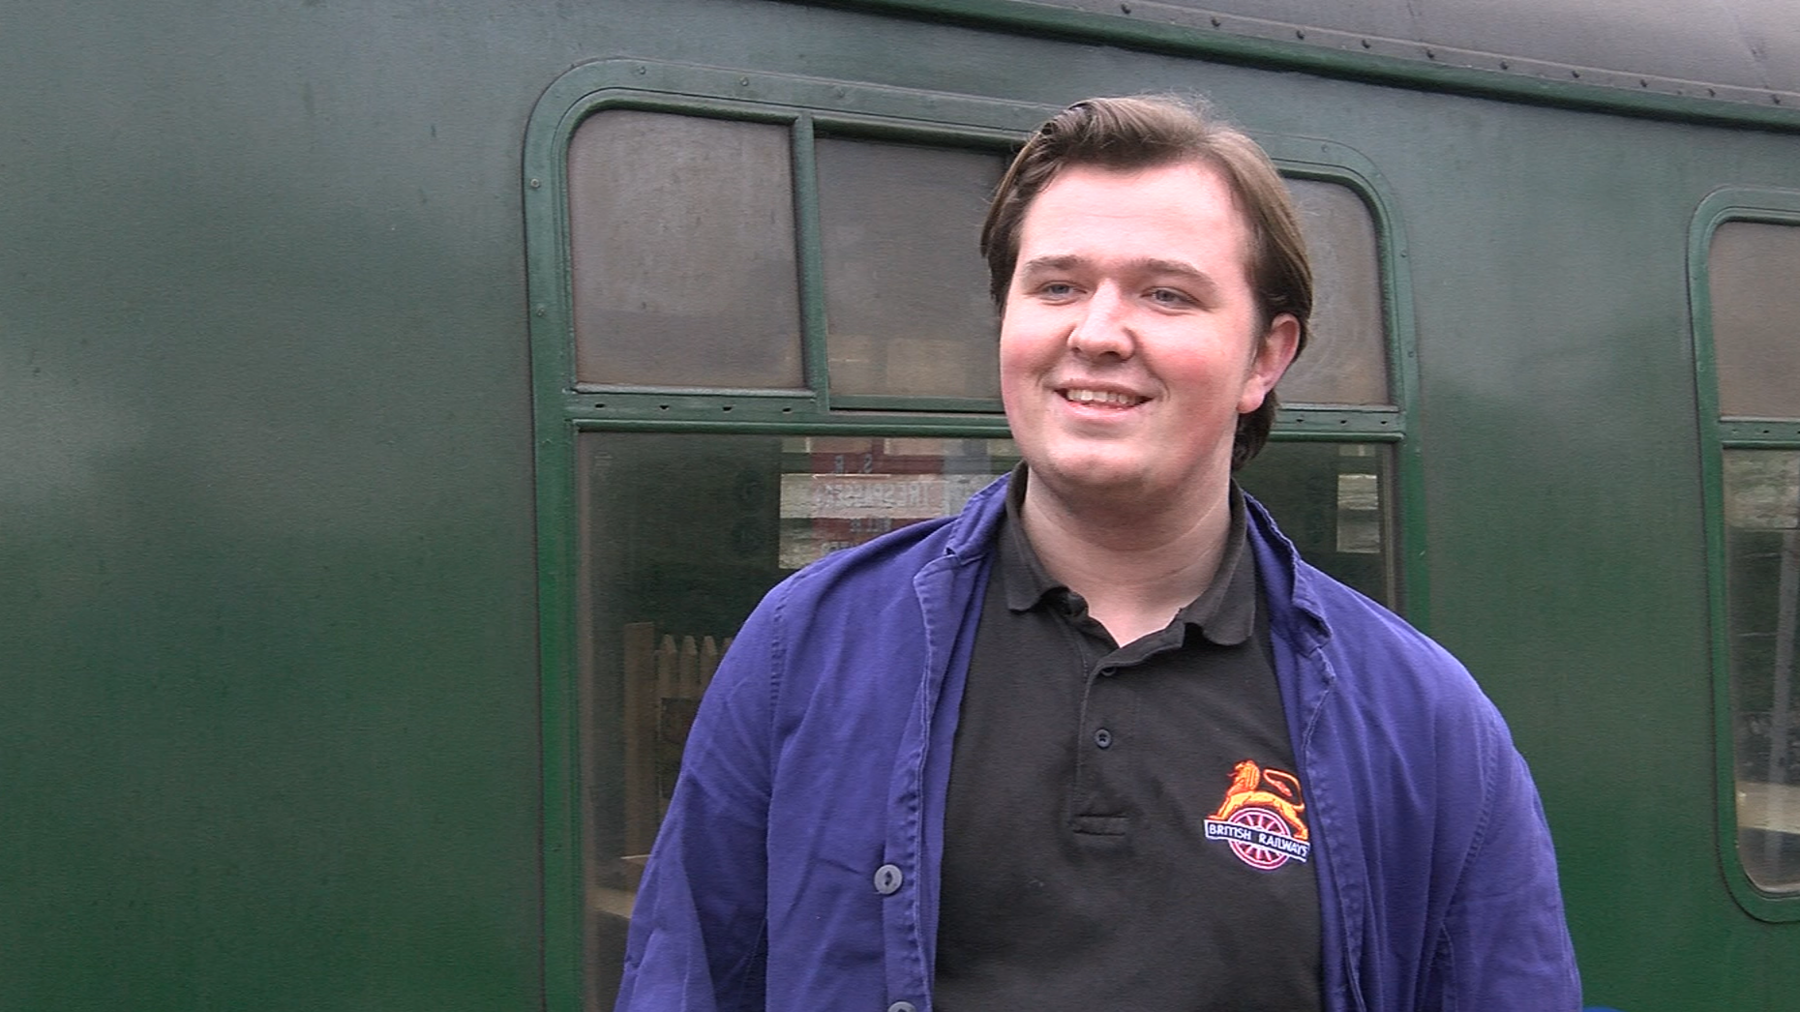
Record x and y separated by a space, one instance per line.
1754 277
681 240
1346 360
679 536
905 287
1762 549
1335 502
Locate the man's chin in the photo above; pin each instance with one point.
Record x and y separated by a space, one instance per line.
1089 480
1127 484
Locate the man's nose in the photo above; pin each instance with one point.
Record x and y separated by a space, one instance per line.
1104 327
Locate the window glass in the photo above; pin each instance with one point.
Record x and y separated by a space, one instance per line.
1333 500
680 536
905 286
1762 549
681 242
1346 360
1752 269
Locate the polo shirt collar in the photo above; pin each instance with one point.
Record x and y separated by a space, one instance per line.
1225 613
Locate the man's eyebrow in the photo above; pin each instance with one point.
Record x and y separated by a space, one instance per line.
1182 269
1062 262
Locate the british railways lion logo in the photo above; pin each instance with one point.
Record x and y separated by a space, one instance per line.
1260 818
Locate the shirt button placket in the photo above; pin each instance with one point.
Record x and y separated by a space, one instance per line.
888 879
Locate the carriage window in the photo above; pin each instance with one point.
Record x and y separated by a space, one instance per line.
761 334
905 287
1754 314
1347 361
1334 501
680 536
1755 317
1762 553
681 242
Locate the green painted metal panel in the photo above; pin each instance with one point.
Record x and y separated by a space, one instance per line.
1567 538
272 730
1406 62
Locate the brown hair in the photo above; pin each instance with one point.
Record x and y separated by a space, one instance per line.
1127 134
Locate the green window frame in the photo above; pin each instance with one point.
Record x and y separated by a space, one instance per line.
1721 435
564 409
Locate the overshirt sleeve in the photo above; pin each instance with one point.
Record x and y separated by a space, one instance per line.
698 937
1506 946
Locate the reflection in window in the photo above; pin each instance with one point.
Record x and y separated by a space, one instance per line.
682 255
1333 501
1762 532
1756 317
1346 362
842 491
680 536
905 287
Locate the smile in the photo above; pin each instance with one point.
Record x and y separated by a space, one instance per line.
1081 395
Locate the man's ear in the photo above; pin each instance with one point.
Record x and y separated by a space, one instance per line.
1276 351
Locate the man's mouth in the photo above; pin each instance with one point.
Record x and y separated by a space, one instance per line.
1110 398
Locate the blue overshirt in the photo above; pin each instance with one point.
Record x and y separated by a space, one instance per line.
797 868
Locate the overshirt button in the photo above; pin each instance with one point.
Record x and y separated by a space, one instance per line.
887 881
902 1006
1103 738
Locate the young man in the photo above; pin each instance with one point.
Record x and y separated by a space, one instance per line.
1103 739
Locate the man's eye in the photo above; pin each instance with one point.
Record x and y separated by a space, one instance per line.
1056 289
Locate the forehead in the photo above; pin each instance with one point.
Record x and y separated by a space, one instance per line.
1183 211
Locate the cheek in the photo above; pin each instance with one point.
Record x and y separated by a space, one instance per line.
1199 365
1018 352
1015 376
1025 360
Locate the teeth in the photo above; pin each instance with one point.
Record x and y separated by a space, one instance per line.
1101 397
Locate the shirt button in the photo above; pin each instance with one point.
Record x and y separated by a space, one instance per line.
1103 738
887 880
902 1006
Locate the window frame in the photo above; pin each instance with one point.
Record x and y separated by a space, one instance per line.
1720 433
562 408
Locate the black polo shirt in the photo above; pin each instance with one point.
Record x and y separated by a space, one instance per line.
1124 827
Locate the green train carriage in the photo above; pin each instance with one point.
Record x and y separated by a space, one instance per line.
403 403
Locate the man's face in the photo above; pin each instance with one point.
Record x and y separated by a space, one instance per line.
1129 342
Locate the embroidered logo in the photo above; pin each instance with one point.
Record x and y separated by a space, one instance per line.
1260 818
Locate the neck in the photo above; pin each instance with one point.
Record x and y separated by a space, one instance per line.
1135 567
